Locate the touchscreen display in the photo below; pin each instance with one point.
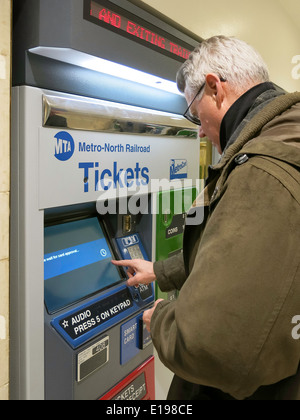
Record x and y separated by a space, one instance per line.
77 262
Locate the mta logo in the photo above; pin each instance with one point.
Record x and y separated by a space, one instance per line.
65 146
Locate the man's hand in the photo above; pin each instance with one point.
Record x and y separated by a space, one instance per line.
139 271
148 314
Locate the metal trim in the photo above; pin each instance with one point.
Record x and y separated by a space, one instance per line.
96 115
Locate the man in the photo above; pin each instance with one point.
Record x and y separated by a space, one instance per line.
229 334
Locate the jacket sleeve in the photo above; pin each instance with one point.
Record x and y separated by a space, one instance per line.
170 273
231 325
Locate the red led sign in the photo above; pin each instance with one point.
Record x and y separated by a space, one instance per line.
133 29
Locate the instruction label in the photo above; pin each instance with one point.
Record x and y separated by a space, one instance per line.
91 317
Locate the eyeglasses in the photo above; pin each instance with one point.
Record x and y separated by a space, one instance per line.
190 117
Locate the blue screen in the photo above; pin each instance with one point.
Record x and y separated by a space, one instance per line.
77 262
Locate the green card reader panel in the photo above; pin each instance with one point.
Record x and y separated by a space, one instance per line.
170 221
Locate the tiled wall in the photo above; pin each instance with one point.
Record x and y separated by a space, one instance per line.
5 71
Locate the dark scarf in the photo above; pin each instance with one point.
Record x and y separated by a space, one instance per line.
242 111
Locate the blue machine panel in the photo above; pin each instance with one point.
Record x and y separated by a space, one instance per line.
129 340
131 247
134 337
93 318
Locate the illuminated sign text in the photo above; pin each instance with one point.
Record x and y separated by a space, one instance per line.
103 14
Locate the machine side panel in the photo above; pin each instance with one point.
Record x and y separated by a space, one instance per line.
27 294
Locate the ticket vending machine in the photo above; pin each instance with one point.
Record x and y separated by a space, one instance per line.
89 150
82 198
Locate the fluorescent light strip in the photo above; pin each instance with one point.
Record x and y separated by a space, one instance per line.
100 65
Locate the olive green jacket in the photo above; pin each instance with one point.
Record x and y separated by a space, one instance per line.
231 326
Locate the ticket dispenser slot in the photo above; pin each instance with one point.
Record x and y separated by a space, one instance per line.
93 333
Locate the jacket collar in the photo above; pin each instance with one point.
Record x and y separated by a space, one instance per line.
240 109
219 173
274 108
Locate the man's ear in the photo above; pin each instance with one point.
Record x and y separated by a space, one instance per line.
216 88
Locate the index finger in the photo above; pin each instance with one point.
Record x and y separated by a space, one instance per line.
123 263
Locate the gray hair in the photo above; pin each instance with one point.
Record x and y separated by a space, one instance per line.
228 57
